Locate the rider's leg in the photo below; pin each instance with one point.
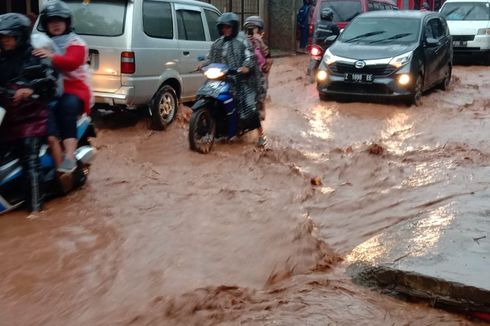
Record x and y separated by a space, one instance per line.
28 150
70 107
53 132
56 150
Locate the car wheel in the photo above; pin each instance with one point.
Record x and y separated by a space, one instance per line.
416 97
163 107
447 79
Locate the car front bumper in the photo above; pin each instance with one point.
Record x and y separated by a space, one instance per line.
380 87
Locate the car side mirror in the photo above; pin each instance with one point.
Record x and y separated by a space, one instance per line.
431 42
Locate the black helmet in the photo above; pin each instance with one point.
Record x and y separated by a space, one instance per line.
55 8
16 25
256 21
229 19
326 14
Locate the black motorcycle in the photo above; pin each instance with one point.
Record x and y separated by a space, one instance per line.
316 52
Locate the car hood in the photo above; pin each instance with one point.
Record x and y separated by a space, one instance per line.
466 27
369 51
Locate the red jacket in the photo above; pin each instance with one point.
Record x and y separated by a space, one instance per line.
75 71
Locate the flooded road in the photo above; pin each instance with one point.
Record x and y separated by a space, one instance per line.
164 236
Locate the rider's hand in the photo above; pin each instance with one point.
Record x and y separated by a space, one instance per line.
243 70
43 53
21 94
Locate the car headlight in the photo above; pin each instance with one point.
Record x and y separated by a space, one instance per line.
483 31
404 79
329 58
321 75
401 60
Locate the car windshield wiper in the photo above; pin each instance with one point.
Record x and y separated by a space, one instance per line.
469 12
394 37
364 35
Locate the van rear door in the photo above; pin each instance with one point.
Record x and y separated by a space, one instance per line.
103 25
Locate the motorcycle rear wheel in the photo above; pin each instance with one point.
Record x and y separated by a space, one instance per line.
202 131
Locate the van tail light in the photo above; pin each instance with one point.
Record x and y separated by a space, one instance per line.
316 52
128 63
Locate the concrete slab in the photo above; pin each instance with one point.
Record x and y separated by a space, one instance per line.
443 256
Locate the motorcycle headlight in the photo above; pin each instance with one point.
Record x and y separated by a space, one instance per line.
214 73
329 58
401 60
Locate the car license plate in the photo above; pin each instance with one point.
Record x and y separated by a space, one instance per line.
460 44
358 78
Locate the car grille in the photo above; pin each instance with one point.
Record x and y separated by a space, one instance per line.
376 70
463 37
360 88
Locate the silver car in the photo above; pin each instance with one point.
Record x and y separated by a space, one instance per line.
145 52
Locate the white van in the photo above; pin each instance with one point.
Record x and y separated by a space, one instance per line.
145 52
469 25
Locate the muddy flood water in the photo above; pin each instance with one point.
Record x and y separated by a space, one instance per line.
164 236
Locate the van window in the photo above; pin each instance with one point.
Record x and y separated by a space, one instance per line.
157 19
212 18
103 18
190 25
343 10
466 11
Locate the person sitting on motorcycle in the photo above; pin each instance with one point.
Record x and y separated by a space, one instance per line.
254 26
235 51
71 61
326 27
26 87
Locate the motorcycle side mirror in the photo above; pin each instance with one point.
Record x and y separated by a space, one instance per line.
201 58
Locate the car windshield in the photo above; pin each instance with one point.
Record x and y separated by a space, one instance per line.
343 10
382 30
466 11
104 18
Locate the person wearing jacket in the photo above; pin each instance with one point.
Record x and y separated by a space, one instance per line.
26 85
234 50
254 27
70 59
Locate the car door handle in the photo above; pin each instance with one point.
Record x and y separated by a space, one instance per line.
186 53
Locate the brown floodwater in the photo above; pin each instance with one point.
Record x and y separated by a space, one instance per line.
164 236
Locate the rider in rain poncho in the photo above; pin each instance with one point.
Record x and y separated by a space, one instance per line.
234 50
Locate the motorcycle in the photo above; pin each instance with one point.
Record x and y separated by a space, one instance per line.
11 184
316 52
215 114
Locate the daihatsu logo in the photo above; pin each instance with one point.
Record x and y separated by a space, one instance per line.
360 64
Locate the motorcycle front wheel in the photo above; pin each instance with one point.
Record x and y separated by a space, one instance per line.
202 130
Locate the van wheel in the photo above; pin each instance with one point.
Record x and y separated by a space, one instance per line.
444 85
163 107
